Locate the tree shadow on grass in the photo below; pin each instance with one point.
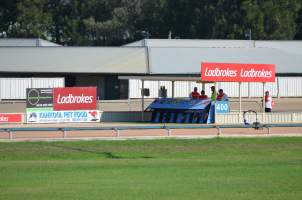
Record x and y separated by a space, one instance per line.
108 155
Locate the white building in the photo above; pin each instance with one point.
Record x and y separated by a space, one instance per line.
22 61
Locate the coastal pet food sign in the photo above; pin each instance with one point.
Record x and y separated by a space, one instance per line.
54 105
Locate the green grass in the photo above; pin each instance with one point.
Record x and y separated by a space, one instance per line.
232 169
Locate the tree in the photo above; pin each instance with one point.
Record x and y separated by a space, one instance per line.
32 20
271 19
8 15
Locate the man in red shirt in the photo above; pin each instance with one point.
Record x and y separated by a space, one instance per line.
222 96
195 94
203 95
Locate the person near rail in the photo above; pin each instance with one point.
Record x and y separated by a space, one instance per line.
222 96
213 94
203 95
268 102
195 94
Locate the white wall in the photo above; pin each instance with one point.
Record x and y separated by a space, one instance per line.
288 87
15 88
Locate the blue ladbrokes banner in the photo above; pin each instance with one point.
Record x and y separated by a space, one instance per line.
186 104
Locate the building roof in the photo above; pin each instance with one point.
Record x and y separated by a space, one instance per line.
152 56
184 56
73 60
25 42
188 60
182 43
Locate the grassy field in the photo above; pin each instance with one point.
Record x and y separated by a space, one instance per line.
250 168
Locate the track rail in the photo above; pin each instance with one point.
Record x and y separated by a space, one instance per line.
115 128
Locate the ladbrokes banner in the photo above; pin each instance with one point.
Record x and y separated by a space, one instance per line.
74 98
237 72
11 118
73 104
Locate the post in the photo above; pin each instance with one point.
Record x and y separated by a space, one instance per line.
219 131
249 90
10 134
117 132
142 96
173 89
278 88
169 131
240 108
64 132
269 131
263 97
263 102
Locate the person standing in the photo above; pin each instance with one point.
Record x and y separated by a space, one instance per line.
203 95
222 96
214 93
268 102
195 94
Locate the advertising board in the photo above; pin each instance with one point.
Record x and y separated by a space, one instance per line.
222 107
237 72
54 105
63 116
189 104
11 118
74 98
39 99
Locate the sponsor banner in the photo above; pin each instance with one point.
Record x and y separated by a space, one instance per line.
11 118
74 98
39 98
185 104
38 109
63 116
222 107
237 72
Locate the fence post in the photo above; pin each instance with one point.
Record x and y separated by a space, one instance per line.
64 134
219 131
10 134
169 131
269 130
117 131
293 117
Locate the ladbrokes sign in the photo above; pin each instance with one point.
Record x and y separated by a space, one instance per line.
237 72
74 98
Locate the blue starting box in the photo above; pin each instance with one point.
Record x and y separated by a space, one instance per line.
185 110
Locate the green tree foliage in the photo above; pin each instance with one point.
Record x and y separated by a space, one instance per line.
32 19
271 19
116 22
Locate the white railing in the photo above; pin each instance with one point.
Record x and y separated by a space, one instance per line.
267 118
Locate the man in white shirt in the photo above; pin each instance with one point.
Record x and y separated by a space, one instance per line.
268 102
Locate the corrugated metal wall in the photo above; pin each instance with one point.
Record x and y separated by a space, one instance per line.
288 87
291 87
15 88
